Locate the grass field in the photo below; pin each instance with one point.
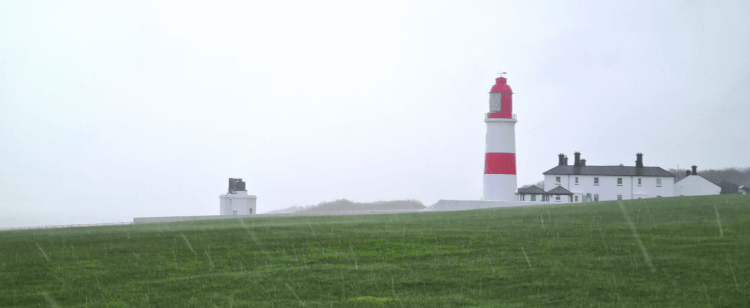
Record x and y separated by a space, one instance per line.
660 252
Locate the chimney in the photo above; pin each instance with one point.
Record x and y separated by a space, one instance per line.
577 160
583 162
239 185
687 172
235 185
639 160
231 189
695 170
566 160
561 160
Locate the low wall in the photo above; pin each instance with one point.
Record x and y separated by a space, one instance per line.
465 205
440 206
145 220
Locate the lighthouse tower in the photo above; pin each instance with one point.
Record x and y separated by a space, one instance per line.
500 150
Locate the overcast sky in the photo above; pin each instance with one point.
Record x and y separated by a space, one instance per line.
114 110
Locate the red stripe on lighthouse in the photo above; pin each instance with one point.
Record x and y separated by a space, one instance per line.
499 163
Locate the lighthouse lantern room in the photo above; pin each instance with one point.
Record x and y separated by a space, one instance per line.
500 148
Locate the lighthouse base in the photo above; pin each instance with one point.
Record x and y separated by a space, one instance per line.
499 187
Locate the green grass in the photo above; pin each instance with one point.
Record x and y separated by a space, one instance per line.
556 255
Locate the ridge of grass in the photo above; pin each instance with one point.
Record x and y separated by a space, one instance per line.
663 252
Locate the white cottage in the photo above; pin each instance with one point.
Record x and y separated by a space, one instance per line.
531 193
581 183
695 185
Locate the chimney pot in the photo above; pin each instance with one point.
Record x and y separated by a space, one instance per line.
695 170
561 159
687 172
583 162
566 160
577 161
639 160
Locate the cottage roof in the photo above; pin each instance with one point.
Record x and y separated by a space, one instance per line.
533 189
609 171
698 175
559 190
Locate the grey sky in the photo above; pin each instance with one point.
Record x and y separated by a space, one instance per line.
114 110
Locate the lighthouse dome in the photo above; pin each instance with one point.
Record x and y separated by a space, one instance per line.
501 85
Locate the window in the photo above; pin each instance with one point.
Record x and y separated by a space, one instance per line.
576 180
234 212
596 181
658 182
557 180
557 198
533 198
619 181
250 210
496 102
619 197
576 197
639 181
596 197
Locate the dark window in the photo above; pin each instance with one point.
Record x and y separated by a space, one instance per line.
576 180
619 181
596 181
596 197
619 197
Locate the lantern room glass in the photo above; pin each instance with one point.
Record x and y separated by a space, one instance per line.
495 102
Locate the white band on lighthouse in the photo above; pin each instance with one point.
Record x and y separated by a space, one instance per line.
501 135
499 187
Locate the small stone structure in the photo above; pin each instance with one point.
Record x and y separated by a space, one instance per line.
236 201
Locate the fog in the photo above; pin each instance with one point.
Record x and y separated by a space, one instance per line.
115 110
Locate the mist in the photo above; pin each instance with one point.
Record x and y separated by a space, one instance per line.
115 110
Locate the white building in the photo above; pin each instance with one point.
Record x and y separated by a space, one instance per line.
531 193
695 185
601 183
534 193
236 201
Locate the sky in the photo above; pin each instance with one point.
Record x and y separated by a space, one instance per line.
111 110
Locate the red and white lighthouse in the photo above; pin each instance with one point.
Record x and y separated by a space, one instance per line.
500 151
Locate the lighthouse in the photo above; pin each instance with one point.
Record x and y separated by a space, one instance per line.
500 148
